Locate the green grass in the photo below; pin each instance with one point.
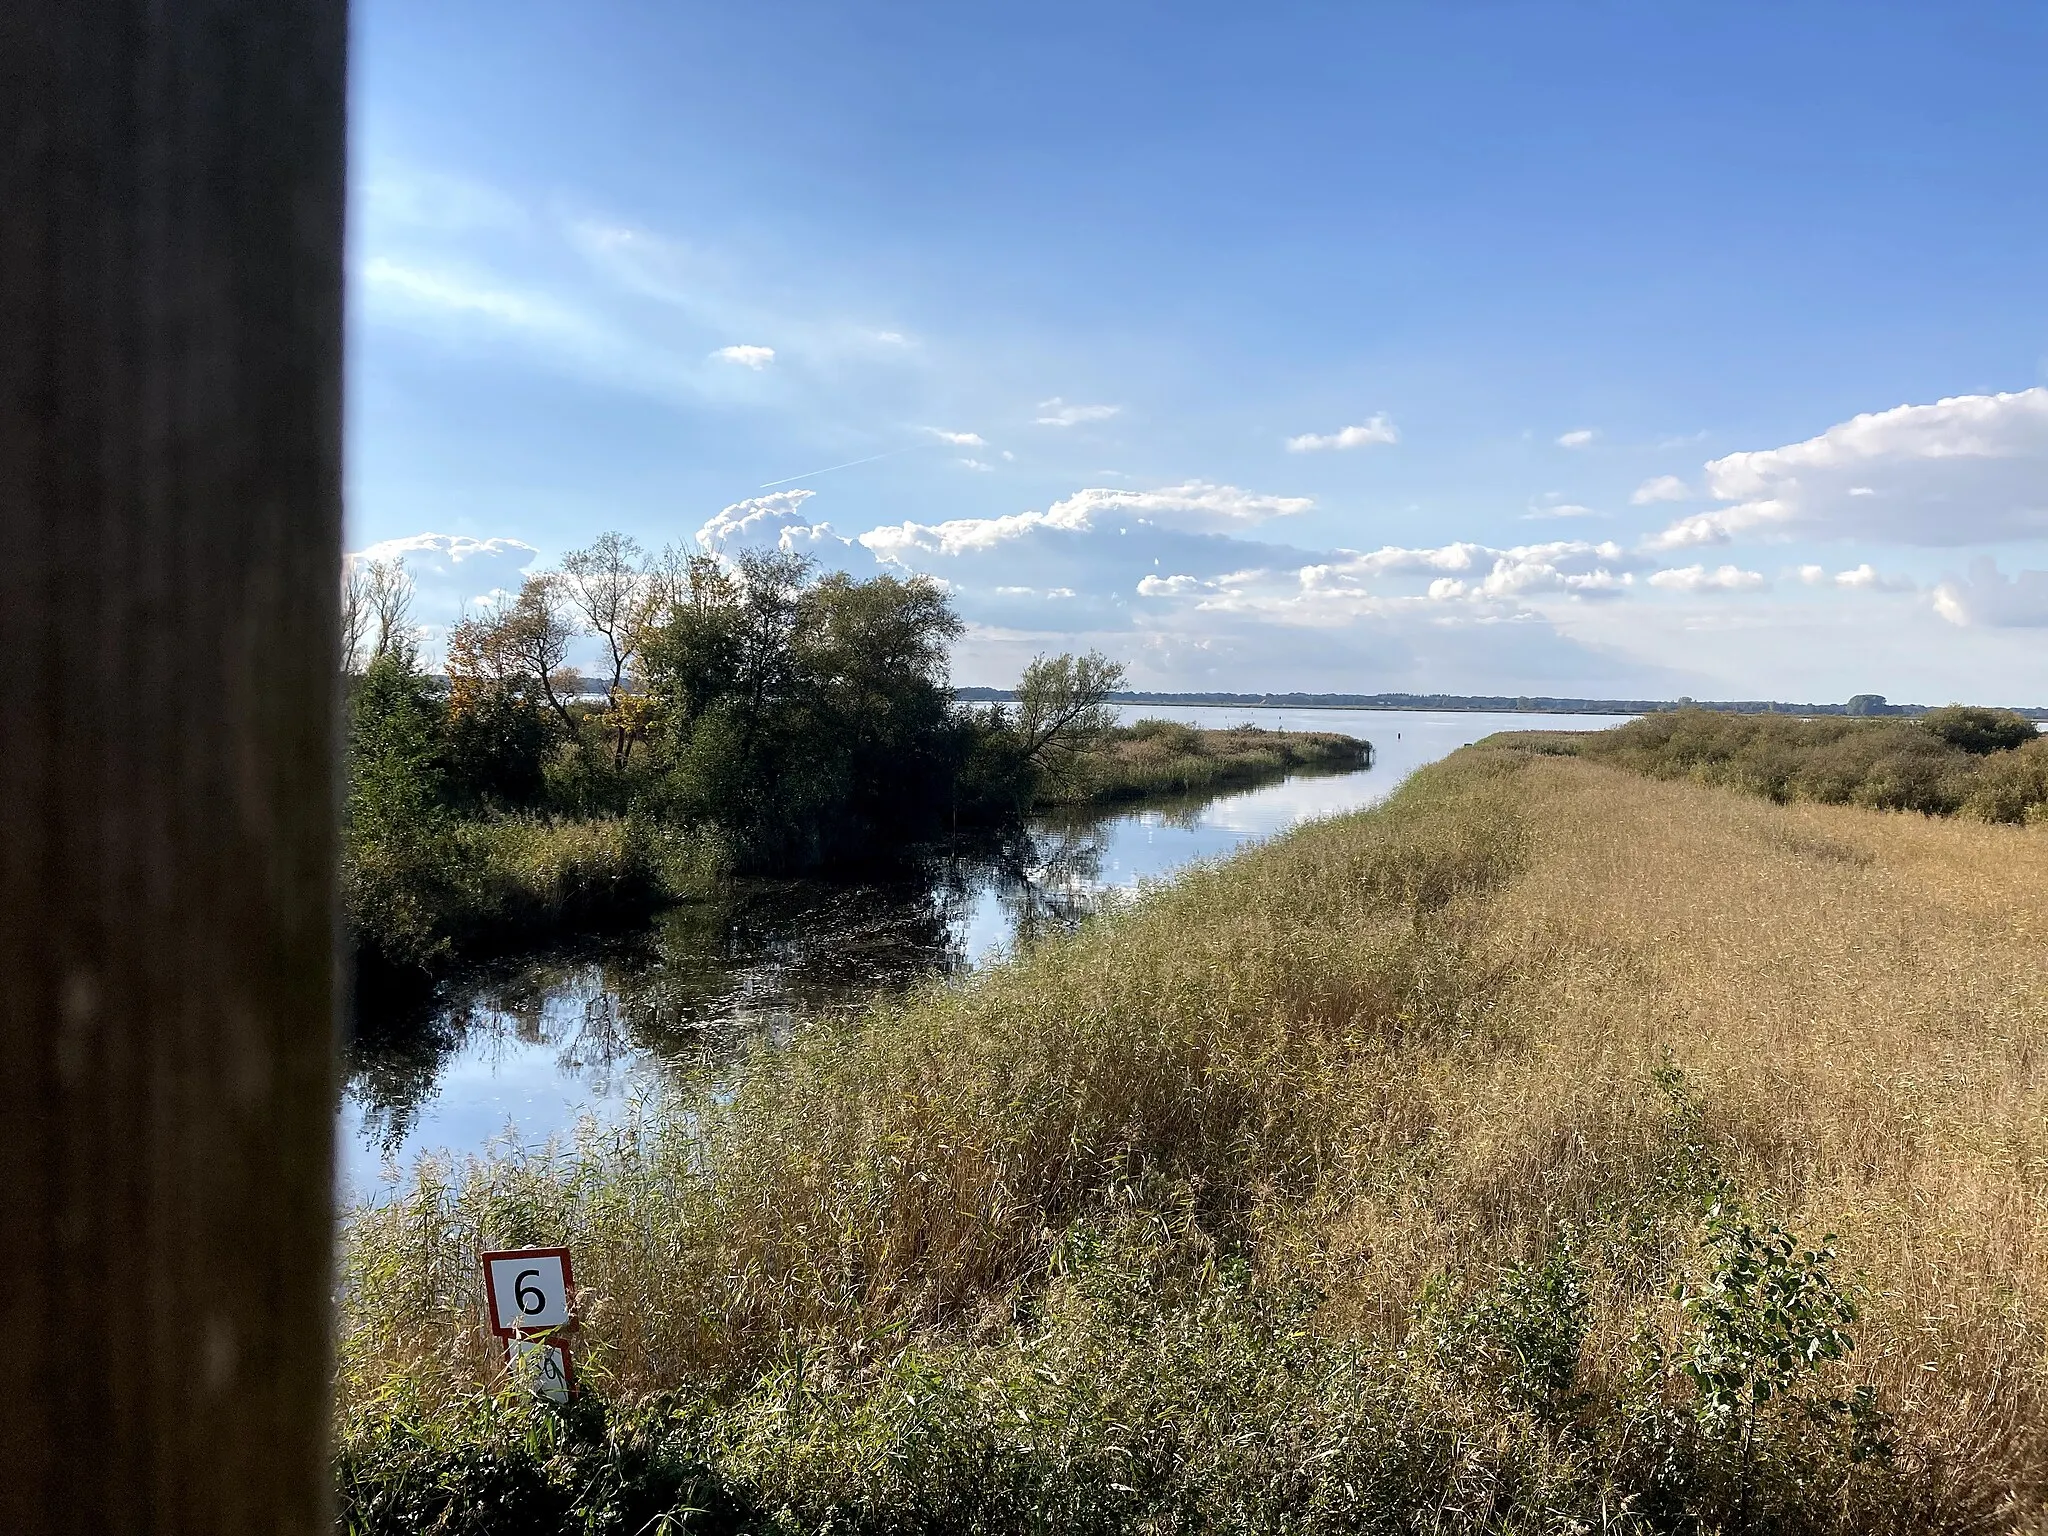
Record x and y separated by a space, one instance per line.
1164 757
469 887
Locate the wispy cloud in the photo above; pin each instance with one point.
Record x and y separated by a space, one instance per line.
1576 439
1057 413
1697 578
1375 429
958 439
1661 488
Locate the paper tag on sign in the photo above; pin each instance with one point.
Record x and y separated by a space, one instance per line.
542 1368
528 1289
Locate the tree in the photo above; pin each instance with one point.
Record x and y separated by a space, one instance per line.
1063 708
387 594
609 585
689 648
500 729
355 617
538 630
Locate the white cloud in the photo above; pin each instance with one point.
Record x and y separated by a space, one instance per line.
1813 575
1170 586
958 439
452 571
1697 578
776 522
1865 578
1552 504
1576 439
1057 413
747 356
1969 469
1196 507
974 464
1661 488
1375 429
1988 599
421 288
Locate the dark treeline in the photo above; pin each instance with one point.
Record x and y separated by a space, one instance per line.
1860 705
752 716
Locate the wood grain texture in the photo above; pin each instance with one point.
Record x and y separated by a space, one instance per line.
171 195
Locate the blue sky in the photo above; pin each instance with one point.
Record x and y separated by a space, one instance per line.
1474 347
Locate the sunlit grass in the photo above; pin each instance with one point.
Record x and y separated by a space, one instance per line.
1240 1197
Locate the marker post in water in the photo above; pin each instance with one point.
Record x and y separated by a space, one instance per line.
528 1291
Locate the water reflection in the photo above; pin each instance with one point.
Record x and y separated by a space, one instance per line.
524 1049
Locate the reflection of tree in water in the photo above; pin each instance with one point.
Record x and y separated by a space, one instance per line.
706 977
1046 882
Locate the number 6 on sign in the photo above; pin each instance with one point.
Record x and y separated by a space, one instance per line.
529 1289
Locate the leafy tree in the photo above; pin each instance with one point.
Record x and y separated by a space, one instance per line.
500 727
397 878
1063 709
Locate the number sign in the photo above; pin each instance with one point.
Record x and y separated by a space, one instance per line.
543 1367
529 1289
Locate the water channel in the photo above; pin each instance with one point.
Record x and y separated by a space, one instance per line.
520 1052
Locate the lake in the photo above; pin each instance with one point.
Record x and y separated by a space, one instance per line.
519 1052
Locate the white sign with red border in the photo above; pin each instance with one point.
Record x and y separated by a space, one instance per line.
529 1290
543 1367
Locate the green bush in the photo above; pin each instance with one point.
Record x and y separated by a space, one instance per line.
1979 731
1979 762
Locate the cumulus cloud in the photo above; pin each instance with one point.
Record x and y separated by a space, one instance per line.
1989 599
1576 439
1170 586
452 572
1375 429
1662 488
1965 470
958 439
776 523
1057 413
1697 578
1194 507
756 358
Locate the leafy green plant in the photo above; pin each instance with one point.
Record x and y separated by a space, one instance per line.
1521 1336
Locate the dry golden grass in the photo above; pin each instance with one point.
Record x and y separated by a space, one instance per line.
1387 1054
1861 1001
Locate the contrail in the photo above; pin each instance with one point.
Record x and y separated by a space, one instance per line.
812 473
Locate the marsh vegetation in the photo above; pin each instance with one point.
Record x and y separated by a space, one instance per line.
1552 1148
1988 764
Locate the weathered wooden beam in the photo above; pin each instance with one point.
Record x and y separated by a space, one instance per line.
171 194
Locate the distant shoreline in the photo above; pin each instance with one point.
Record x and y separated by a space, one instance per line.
1455 703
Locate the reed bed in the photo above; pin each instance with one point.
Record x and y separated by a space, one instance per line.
1386 1177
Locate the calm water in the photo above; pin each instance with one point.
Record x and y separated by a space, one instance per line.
521 1053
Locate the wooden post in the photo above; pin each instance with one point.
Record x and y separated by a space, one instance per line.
171 193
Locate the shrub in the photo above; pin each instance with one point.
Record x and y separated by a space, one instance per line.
1979 731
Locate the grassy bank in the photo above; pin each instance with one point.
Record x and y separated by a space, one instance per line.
1468 1164
1988 764
1164 757
471 887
